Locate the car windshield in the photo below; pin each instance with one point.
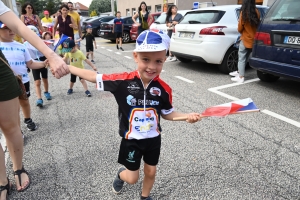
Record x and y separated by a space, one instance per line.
105 19
161 19
203 17
284 11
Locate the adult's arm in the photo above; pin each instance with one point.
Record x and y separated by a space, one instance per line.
39 23
58 66
74 24
55 27
134 17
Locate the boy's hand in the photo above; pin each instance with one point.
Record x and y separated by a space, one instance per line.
46 63
193 117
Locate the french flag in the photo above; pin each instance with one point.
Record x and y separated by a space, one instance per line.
60 41
235 107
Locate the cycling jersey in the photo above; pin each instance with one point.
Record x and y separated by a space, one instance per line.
139 109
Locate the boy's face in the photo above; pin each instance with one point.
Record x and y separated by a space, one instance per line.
118 14
149 63
73 50
89 30
6 35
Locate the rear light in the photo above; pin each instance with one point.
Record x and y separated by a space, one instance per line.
214 30
174 31
263 38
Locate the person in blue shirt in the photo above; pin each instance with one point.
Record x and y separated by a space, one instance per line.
118 30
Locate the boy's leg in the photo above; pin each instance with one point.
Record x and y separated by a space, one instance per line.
25 105
83 84
37 82
149 178
121 42
44 72
92 55
116 34
72 81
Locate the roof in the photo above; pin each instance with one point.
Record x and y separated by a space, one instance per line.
225 7
81 6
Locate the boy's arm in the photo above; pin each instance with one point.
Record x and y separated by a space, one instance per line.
35 65
83 73
90 64
190 118
113 30
95 45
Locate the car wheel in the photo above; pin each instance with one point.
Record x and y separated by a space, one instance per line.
230 61
126 37
98 32
267 77
184 60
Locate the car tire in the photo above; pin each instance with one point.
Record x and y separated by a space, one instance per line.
230 61
267 77
125 37
98 33
184 60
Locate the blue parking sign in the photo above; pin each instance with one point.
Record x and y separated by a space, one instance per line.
195 5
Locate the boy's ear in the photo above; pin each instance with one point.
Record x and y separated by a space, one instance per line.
135 56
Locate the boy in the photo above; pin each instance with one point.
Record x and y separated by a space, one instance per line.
89 42
142 98
76 57
118 29
18 57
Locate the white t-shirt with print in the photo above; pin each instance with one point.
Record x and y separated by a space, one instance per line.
17 55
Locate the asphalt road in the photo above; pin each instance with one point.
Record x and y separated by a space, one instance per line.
73 154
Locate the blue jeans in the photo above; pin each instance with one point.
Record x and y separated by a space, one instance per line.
243 57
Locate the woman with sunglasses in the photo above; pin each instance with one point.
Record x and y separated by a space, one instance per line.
144 18
29 17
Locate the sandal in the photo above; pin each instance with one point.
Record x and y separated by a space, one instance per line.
6 187
18 173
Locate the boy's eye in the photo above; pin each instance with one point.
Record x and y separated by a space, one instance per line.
145 59
159 61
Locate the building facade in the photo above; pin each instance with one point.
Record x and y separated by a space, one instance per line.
129 8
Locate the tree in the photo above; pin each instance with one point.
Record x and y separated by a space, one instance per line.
40 5
100 6
93 13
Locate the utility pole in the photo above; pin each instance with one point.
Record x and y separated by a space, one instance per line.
113 7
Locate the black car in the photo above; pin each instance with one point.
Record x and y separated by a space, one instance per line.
96 23
106 30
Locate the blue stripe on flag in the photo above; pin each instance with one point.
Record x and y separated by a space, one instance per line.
250 106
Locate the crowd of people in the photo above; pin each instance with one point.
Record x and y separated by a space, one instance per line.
34 54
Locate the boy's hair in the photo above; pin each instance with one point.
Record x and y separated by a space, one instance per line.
46 33
151 41
119 12
68 45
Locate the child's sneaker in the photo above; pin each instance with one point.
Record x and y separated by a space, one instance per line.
148 198
121 48
118 183
118 47
70 91
88 94
30 125
93 61
39 103
47 95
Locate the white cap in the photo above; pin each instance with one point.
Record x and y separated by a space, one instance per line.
152 40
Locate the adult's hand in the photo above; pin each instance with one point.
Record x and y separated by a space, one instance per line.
57 65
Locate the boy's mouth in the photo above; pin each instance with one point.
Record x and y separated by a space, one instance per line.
150 72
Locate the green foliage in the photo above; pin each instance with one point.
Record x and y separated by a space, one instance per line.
100 6
115 6
40 5
93 13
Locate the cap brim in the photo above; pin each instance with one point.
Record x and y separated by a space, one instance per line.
150 50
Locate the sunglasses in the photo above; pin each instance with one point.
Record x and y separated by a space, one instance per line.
30 8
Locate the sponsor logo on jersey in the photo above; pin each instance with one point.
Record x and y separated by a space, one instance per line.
131 100
154 91
133 87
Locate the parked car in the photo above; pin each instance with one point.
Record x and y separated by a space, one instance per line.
160 23
134 28
96 23
276 50
106 29
208 35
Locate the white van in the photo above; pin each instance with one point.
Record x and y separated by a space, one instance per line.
160 22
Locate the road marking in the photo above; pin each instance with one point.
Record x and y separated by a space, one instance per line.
118 53
162 70
267 112
108 49
3 144
102 47
184 79
128 51
128 57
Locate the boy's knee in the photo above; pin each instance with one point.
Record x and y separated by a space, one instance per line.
38 83
150 172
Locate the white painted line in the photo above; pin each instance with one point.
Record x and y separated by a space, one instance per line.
270 113
162 70
128 51
102 47
118 53
3 144
283 118
108 49
128 57
234 84
184 79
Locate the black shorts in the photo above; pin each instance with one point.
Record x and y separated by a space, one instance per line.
73 78
27 87
89 48
132 151
118 35
42 71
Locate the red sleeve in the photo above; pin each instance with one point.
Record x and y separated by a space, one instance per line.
167 106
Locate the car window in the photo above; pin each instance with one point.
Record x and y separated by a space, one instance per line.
129 21
262 12
284 12
161 19
203 17
155 17
105 19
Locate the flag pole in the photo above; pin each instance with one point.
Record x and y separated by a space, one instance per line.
203 116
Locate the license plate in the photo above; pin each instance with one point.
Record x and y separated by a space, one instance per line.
186 35
102 33
291 40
